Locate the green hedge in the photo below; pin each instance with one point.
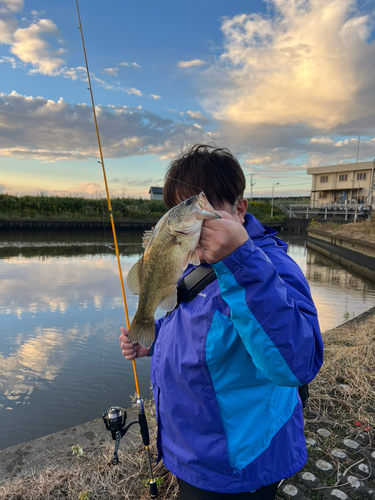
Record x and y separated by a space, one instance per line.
66 207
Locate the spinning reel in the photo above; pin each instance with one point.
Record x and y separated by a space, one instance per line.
115 422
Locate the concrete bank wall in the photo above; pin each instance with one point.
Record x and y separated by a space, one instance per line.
353 253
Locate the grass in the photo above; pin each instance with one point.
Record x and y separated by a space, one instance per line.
362 230
65 207
344 390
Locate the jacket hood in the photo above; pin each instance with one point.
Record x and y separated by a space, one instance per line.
262 235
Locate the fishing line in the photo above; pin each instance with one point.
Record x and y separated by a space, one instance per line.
115 417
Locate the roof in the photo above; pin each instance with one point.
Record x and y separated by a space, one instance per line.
344 167
156 190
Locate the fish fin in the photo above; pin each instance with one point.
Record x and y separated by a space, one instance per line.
191 258
147 236
134 277
169 245
194 259
142 331
169 301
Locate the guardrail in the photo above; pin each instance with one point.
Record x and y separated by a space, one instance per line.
312 210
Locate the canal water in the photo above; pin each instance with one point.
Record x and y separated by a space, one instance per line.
60 315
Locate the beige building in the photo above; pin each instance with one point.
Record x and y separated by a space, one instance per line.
343 184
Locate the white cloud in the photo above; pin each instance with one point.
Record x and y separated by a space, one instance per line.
7 29
11 6
111 71
155 97
29 46
197 116
50 131
300 66
190 64
134 91
134 64
195 125
12 61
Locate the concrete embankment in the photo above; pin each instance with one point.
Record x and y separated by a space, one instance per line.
353 253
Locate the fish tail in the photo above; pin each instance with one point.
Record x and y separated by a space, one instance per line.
142 330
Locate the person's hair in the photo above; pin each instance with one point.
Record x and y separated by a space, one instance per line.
215 171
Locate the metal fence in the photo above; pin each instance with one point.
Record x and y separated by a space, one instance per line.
310 210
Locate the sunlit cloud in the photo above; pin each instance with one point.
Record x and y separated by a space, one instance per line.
155 97
197 116
190 64
299 66
29 46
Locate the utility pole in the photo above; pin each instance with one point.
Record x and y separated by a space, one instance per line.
273 187
251 186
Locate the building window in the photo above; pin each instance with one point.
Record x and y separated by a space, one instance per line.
343 177
324 178
361 176
322 194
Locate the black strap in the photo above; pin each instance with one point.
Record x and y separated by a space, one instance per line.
194 282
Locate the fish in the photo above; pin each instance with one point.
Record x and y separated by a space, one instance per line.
169 248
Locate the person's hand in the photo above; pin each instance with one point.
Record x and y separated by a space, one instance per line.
129 350
220 237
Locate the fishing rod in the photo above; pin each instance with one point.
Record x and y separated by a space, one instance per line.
115 417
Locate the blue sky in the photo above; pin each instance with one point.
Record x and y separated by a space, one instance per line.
284 84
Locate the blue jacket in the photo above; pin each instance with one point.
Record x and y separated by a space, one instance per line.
226 367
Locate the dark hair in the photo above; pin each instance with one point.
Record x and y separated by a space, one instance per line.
215 171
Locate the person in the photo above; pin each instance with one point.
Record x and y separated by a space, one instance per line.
227 365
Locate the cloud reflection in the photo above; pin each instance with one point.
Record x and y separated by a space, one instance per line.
36 361
49 284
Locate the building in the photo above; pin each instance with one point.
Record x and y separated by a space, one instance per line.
343 184
156 193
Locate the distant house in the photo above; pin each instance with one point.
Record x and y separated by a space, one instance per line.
156 193
342 184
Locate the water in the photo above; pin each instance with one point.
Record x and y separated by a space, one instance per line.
60 315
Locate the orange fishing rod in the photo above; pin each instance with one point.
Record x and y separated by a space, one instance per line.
119 431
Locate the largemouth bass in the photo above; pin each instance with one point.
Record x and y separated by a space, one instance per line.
169 248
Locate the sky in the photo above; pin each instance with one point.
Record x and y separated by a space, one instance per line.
284 84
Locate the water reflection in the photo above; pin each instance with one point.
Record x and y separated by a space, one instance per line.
60 313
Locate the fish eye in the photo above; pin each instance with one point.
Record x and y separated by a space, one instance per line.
188 201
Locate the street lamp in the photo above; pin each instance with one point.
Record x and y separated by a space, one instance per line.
272 199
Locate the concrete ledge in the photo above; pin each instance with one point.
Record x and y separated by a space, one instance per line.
359 245
355 254
31 457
